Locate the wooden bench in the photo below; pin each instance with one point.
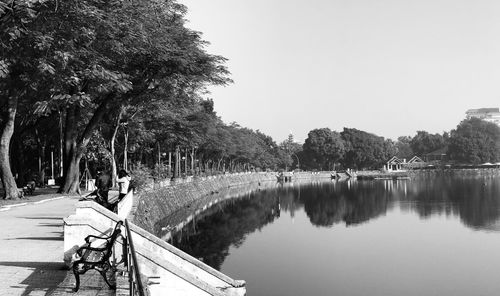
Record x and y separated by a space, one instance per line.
98 258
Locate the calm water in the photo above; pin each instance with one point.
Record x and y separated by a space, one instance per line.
429 236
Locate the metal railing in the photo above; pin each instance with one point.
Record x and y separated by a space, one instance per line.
134 275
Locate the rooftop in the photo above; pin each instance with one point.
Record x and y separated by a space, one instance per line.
483 110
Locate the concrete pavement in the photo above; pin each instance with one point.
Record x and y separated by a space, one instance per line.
31 252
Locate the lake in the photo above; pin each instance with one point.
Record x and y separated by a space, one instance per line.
436 235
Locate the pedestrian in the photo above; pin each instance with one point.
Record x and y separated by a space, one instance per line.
123 180
103 184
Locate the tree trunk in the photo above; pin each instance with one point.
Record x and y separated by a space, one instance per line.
125 149
41 157
61 144
75 148
112 146
218 164
192 161
72 180
8 181
185 161
72 115
18 163
159 161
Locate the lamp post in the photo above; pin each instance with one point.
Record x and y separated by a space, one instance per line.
185 165
52 163
185 161
177 163
163 155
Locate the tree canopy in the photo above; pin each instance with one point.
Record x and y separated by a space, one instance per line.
323 148
104 73
475 141
366 150
423 142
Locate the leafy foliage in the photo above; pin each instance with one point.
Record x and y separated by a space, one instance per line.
323 148
475 141
403 147
365 150
423 142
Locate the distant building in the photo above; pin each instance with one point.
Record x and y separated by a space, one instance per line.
398 164
415 162
440 154
394 164
487 114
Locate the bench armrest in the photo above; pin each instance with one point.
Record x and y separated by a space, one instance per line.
87 239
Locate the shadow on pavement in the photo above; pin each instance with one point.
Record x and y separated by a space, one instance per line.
45 278
50 224
42 218
48 238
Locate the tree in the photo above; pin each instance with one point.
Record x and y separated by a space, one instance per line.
404 148
423 142
98 57
290 150
475 141
365 150
20 71
323 148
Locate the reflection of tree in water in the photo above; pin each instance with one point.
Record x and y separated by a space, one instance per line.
475 200
227 224
351 203
289 199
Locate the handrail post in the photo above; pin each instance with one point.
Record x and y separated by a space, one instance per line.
134 274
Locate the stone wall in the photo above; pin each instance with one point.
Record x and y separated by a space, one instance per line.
464 172
159 209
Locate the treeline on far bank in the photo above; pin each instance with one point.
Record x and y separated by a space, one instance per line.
474 141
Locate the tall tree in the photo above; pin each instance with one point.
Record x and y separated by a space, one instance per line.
21 69
475 141
365 150
121 53
291 150
404 148
324 147
423 142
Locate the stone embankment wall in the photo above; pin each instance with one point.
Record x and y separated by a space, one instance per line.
465 172
458 172
167 206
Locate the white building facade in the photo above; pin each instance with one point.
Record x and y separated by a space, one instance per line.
487 114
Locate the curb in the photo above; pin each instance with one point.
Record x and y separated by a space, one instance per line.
8 207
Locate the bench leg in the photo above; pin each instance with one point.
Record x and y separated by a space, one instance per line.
77 279
103 273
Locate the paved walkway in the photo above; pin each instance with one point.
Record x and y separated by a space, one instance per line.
31 252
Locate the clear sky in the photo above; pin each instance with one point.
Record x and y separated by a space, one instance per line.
389 67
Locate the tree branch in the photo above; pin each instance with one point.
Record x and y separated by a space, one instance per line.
94 121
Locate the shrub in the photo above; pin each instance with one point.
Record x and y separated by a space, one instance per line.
141 177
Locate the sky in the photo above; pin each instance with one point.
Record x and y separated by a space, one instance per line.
388 67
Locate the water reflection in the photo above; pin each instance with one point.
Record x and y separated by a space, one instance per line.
474 200
344 202
210 236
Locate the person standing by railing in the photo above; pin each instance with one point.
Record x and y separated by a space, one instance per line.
123 180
